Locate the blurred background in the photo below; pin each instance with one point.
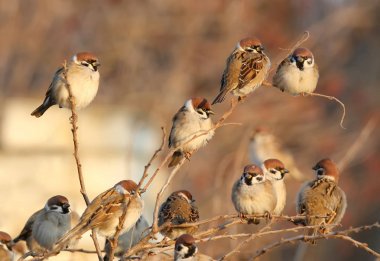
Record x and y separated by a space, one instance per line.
157 54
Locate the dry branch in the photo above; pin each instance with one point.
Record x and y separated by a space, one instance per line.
343 234
74 121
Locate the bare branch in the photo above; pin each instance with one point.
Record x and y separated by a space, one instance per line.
147 166
74 129
338 234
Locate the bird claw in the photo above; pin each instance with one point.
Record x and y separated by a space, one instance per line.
187 155
268 216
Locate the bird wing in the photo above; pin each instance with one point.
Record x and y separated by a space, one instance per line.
27 230
341 205
251 66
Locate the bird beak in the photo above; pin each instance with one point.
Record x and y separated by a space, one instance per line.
284 171
314 168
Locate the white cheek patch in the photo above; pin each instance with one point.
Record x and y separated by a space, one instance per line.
189 105
121 190
238 47
184 196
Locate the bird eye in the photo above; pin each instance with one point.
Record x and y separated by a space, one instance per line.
179 248
84 63
200 111
309 61
320 171
273 171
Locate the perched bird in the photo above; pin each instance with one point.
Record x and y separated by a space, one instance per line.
103 213
322 197
264 145
192 119
246 69
46 226
83 77
186 249
274 171
5 253
251 195
178 208
128 239
298 73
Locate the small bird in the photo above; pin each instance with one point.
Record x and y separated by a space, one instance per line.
46 226
298 73
178 208
274 171
186 249
264 145
322 197
251 195
192 119
103 213
5 253
83 77
128 239
246 69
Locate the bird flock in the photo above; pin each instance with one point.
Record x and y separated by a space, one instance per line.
260 190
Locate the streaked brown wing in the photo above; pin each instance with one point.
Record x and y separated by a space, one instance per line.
250 68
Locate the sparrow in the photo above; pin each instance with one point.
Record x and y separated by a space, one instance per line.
251 195
246 69
264 145
5 253
298 73
83 77
186 250
129 238
178 208
46 226
192 119
274 172
103 213
322 197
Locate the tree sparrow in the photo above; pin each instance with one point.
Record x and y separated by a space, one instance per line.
322 197
246 69
129 238
5 253
186 249
46 226
83 77
298 73
103 213
251 195
178 208
274 171
192 119
264 145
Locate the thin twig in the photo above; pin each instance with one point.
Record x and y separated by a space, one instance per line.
335 99
155 154
338 234
159 195
267 84
238 247
74 129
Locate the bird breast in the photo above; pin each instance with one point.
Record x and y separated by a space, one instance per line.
84 85
255 199
185 126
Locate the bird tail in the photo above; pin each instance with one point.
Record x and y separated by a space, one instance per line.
176 158
41 109
221 96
